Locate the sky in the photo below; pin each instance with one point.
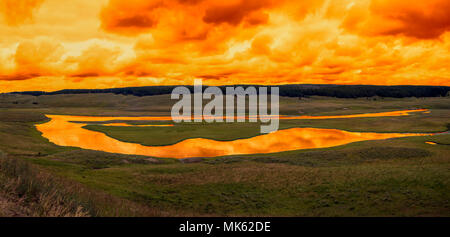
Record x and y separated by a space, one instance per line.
50 45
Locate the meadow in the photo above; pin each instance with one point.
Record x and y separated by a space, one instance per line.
394 177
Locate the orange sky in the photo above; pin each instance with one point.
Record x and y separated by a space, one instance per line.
53 44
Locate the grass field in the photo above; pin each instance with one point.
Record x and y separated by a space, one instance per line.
395 177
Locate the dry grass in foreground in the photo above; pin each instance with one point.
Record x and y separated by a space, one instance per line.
27 190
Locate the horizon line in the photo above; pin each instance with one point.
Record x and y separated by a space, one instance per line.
204 85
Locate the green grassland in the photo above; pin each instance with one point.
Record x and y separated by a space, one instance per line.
395 177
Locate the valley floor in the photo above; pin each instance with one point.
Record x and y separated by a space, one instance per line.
395 177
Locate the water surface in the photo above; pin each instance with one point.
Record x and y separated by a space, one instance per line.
66 130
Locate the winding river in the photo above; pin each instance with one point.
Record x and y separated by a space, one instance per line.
67 130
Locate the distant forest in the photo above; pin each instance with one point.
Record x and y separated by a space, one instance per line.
339 91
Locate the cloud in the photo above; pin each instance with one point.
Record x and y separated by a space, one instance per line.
235 13
37 55
417 19
16 12
152 42
18 77
96 60
181 16
423 20
130 17
44 57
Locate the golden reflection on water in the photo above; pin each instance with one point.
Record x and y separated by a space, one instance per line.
368 115
431 143
169 118
134 125
62 131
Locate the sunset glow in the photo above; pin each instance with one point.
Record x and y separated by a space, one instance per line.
52 44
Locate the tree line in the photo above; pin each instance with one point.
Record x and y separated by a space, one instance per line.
303 90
